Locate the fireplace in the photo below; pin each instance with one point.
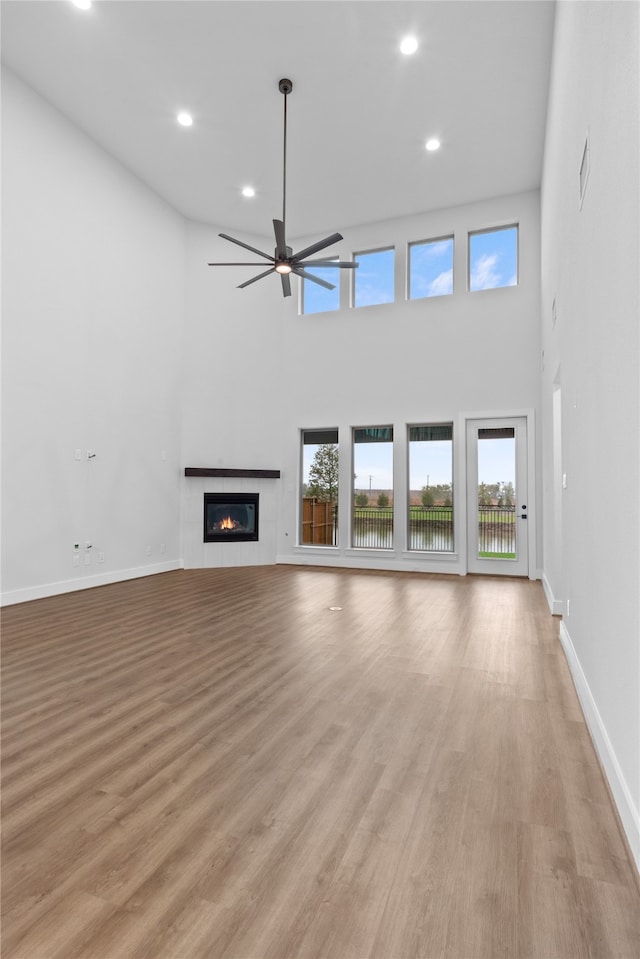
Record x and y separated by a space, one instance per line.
230 517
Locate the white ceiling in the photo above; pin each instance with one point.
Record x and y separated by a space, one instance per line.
359 114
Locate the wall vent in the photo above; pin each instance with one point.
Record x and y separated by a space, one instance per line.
584 170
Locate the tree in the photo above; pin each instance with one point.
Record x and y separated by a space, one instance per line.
428 498
484 495
383 499
361 499
507 494
323 473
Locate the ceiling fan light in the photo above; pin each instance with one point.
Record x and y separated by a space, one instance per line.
283 268
408 46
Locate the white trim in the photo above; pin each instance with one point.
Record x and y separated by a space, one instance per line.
87 582
356 559
556 606
528 415
629 815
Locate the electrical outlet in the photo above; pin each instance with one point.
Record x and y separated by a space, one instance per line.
78 454
87 559
101 557
76 560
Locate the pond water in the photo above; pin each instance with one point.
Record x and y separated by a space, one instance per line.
502 542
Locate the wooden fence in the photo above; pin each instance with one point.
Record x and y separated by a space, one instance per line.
318 521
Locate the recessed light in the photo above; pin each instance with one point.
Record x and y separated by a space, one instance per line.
185 119
81 4
248 191
433 144
409 45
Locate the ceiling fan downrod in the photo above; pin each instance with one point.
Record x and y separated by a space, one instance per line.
284 261
285 87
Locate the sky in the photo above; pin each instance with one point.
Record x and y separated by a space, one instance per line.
493 259
432 460
431 268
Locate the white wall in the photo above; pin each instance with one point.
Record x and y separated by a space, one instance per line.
233 389
416 361
92 310
590 266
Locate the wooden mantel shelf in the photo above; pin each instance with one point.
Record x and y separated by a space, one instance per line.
240 474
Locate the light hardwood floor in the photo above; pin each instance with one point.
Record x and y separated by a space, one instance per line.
217 764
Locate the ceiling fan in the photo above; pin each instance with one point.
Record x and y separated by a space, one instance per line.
284 261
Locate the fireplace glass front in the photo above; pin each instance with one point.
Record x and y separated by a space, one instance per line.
230 517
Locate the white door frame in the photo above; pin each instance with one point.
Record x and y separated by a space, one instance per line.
461 479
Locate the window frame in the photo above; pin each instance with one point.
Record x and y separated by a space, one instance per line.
391 441
411 426
515 225
390 247
427 242
338 292
333 431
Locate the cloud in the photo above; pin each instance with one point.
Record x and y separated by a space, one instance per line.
484 276
437 248
441 284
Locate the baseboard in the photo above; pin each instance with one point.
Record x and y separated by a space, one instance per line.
330 559
556 606
629 815
86 582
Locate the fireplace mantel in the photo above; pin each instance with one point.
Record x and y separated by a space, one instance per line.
240 474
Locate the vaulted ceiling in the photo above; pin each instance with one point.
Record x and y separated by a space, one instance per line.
359 115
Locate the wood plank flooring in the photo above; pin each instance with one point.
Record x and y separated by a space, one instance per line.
218 764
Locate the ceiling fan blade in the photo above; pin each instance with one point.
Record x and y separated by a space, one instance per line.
325 264
238 264
286 284
253 279
316 247
281 243
225 236
315 279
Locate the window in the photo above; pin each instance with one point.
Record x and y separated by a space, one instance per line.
431 487
317 299
372 525
319 523
431 268
493 258
373 281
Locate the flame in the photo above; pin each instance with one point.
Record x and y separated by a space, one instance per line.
227 523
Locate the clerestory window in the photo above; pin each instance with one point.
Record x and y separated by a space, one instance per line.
493 258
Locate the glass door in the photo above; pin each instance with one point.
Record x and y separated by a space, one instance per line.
497 508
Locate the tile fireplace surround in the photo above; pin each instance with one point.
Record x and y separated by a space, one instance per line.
200 480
